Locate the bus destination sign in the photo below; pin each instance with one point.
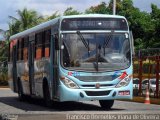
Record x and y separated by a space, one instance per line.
94 24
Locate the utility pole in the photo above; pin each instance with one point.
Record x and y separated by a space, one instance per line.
114 7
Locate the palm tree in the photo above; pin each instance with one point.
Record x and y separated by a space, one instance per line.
3 50
4 34
29 18
26 19
54 15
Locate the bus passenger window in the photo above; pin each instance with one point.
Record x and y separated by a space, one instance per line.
38 45
17 49
47 43
25 49
12 45
21 50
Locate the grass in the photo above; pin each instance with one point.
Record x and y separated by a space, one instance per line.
3 79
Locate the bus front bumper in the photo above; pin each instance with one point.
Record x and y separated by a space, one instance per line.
67 94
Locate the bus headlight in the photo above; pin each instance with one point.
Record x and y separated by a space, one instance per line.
69 83
124 82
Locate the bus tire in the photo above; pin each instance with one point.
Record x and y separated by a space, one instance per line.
21 96
106 104
47 97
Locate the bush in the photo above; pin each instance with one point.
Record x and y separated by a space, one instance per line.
3 79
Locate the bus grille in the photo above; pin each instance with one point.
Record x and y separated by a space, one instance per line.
97 78
102 85
97 93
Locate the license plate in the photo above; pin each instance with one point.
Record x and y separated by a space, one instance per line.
123 93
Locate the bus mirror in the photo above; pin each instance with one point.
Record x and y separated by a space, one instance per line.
56 41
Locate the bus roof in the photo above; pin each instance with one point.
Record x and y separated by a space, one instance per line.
93 16
53 21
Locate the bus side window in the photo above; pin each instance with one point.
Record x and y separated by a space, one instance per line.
47 43
17 49
25 49
38 45
21 49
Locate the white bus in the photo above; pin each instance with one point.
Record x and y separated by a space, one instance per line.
73 58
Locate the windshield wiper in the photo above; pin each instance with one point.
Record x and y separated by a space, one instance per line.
84 41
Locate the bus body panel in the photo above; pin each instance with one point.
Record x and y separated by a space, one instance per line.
51 70
75 94
41 68
68 94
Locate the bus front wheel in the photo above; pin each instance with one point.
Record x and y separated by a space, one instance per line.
47 97
106 104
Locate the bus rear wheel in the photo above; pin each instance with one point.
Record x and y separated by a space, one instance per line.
106 104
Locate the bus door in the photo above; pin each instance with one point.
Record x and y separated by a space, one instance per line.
14 68
31 64
54 65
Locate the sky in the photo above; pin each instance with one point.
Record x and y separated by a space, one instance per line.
47 7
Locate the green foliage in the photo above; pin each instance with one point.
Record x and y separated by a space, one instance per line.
3 50
26 19
140 23
54 15
71 11
3 71
99 9
155 15
145 26
3 79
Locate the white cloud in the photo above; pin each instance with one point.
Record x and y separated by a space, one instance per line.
145 5
44 7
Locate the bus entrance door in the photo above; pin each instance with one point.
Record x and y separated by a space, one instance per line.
31 65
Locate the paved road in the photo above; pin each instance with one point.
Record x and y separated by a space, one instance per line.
12 107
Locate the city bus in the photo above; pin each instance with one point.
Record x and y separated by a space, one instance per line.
73 58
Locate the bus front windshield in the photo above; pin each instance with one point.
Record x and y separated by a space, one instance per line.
95 51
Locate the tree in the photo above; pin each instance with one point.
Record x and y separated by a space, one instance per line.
139 22
4 33
14 26
155 15
102 8
71 11
26 19
118 6
54 15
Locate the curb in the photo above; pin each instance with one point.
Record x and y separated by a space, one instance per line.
4 86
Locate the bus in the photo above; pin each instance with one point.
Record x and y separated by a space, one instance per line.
73 58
